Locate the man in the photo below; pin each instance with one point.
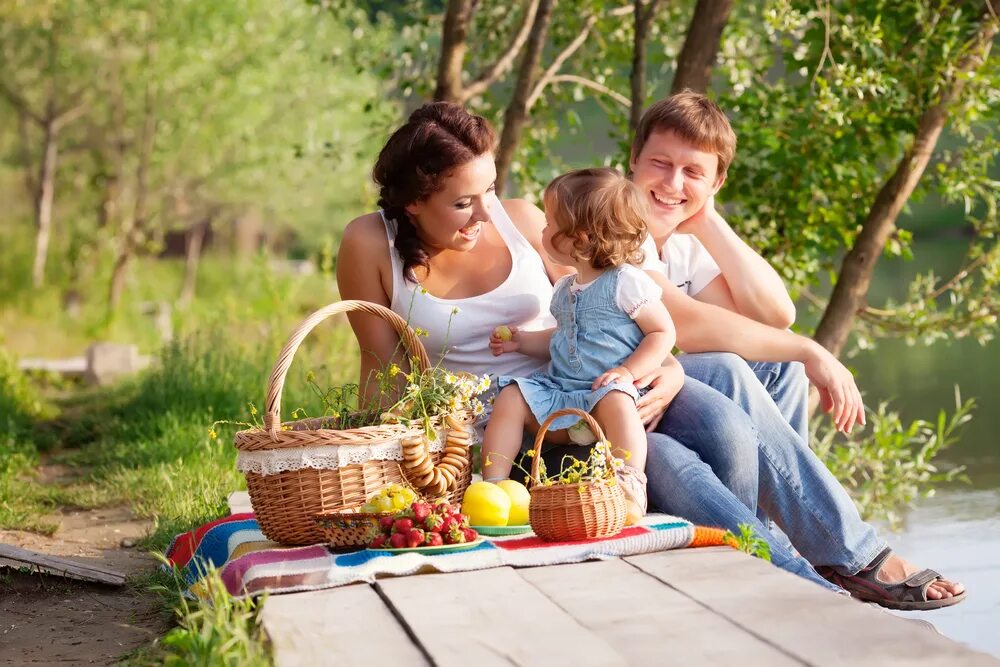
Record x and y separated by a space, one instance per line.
724 296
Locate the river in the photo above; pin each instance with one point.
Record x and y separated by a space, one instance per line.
957 530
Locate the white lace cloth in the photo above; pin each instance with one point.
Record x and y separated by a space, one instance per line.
327 457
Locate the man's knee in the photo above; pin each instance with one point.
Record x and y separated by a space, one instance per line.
723 371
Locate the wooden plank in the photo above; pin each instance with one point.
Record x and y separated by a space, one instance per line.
492 617
818 627
71 366
62 566
646 620
350 625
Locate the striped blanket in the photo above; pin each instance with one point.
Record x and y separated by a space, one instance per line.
250 564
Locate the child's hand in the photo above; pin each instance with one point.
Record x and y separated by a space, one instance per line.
618 374
504 339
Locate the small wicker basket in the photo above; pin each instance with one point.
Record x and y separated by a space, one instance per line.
349 529
287 502
567 512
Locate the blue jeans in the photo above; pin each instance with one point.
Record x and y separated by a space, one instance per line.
726 416
681 483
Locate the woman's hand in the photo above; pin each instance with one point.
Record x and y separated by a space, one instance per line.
664 384
838 394
504 339
617 374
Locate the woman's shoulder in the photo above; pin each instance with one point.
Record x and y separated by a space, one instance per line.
527 217
365 232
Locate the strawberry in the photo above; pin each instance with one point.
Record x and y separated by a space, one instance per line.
403 525
433 539
446 524
378 541
420 512
454 535
470 534
414 538
385 523
397 541
433 523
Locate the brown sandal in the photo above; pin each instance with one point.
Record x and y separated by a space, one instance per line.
907 595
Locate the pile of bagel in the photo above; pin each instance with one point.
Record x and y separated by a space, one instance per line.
437 480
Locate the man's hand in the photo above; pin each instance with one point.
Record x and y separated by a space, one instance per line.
504 339
617 374
664 383
706 212
839 395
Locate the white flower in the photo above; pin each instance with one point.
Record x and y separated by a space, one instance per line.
450 379
412 387
477 407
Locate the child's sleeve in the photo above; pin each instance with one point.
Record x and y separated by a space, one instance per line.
635 290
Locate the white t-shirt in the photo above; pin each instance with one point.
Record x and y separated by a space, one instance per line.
635 289
685 261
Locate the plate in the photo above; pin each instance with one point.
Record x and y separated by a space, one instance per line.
503 531
443 549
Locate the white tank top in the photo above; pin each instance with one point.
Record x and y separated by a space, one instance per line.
522 300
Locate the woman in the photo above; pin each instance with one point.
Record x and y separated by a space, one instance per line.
446 253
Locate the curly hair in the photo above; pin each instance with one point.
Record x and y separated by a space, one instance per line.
414 162
602 213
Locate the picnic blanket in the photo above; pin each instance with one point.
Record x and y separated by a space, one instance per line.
250 564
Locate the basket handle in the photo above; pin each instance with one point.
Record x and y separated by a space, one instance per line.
276 383
540 436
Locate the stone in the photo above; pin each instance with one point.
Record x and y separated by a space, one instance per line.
107 362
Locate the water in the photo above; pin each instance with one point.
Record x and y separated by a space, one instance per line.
956 531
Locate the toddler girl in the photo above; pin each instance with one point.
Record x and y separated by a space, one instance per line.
611 329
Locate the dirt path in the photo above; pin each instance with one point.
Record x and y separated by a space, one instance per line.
51 620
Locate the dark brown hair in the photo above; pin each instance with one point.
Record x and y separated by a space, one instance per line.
414 162
694 118
601 212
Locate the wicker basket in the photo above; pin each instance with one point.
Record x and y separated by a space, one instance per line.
566 512
349 529
286 502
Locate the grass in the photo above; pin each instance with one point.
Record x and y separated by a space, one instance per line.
145 443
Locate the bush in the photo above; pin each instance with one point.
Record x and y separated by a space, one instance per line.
887 465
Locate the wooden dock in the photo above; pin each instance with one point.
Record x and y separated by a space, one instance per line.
688 607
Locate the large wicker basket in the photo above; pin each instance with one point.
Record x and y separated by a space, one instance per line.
286 502
566 512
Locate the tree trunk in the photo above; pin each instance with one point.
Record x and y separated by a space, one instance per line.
516 115
118 274
44 198
644 13
851 290
135 230
192 257
697 58
453 45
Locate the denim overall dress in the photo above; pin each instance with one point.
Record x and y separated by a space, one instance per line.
593 335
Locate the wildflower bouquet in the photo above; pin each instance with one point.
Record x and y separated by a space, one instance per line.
432 392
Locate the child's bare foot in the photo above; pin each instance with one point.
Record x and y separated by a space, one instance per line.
633 483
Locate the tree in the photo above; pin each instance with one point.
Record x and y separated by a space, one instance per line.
852 285
701 44
819 146
42 53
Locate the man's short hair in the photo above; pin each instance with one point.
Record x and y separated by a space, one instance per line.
693 117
